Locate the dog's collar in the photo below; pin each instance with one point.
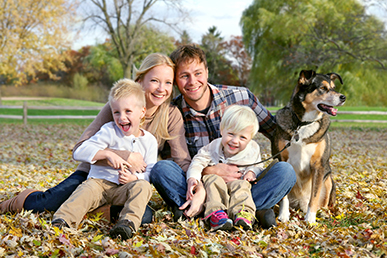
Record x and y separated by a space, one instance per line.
298 122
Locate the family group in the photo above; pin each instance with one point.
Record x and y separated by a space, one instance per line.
198 150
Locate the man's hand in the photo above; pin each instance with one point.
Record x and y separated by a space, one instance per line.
191 185
226 171
249 176
136 162
196 204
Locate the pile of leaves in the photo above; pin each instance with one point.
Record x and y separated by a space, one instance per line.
39 157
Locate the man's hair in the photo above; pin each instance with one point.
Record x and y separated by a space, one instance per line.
236 118
152 61
187 54
125 88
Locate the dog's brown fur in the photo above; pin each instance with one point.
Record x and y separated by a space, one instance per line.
305 122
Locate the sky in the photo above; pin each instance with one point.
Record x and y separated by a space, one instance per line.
224 14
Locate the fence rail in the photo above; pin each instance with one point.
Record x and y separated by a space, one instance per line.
25 115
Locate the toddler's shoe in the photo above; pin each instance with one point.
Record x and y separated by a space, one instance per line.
220 220
244 219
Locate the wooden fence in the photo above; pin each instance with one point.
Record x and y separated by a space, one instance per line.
25 115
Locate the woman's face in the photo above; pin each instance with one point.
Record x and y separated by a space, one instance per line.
157 84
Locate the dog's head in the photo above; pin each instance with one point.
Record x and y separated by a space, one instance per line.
316 93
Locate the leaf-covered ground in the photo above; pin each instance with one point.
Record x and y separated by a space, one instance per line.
40 156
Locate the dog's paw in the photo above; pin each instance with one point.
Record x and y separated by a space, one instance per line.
284 215
310 217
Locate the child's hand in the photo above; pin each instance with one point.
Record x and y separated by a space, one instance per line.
126 177
191 185
249 176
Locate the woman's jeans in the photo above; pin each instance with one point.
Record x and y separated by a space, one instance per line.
52 199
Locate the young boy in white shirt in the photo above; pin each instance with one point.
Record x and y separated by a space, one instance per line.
238 126
115 184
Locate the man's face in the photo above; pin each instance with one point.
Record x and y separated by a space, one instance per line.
191 79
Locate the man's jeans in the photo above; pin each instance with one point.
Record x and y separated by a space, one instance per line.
170 181
52 199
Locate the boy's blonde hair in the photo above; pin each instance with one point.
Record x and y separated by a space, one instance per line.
125 88
236 118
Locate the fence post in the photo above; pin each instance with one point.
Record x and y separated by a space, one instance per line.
25 112
0 98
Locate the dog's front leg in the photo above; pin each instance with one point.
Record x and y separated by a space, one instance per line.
284 213
318 176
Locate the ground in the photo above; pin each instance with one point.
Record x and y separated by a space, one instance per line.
39 157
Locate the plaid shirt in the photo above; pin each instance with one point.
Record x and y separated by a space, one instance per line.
201 129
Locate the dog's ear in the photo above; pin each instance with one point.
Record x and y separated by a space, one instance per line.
305 76
334 76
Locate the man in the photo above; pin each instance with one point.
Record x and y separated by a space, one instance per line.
202 106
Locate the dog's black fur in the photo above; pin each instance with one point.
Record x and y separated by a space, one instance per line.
305 122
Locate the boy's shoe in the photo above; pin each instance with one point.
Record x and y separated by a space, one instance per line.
244 219
220 220
59 223
123 228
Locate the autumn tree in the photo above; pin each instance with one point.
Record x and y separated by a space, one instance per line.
240 58
33 37
284 37
123 21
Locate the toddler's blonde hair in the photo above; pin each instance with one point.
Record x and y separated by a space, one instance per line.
236 118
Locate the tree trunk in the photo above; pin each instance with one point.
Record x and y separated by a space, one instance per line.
127 71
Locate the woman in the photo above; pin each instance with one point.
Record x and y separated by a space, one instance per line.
163 120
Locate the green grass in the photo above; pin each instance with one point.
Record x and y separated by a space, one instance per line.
53 112
82 122
82 103
359 126
53 102
50 102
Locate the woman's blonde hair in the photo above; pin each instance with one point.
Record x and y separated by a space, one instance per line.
236 118
160 130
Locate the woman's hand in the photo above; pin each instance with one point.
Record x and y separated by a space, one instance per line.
115 161
137 163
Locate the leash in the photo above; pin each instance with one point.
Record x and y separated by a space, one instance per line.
272 157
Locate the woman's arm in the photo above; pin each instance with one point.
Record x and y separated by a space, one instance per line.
178 145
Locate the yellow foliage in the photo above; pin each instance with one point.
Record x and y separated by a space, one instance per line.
34 36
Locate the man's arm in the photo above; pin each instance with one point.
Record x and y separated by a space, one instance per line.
226 171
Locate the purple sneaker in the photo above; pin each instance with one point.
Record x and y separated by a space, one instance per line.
220 220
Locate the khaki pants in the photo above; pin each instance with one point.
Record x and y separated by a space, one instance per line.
96 192
231 197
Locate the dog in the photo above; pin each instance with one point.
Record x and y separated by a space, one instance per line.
304 122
